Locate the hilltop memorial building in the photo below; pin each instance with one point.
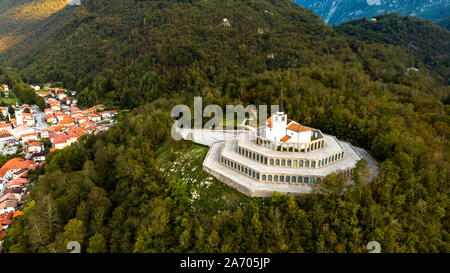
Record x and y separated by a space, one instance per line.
282 156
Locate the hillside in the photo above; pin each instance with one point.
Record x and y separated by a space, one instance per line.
135 189
340 11
429 43
116 51
123 40
18 17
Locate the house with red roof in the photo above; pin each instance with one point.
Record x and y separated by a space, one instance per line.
16 164
8 206
29 137
5 136
6 219
67 121
34 147
5 127
51 119
11 196
90 126
61 141
16 213
94 117
56 90
55 105
25 106
4 111
61 96
28 119
18 182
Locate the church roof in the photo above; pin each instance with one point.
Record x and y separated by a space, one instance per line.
285 138
298 127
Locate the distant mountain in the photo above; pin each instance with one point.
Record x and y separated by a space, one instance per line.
339 11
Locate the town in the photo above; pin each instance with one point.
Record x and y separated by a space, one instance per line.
28 134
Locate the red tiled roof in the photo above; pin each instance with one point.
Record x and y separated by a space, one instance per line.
5 125
3 135
27 135
285 138
17 182
298 127
5 219
16 213
269 122
67 120
49 116
60 138
16 163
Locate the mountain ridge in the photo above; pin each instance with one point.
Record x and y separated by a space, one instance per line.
340 11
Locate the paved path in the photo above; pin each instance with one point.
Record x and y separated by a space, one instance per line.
372 163
40 118
206 137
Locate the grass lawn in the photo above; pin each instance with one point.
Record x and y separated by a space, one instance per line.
11 100
208 195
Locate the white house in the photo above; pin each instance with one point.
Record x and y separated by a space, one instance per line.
36 87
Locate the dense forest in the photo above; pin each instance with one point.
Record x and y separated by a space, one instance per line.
135 189
428 42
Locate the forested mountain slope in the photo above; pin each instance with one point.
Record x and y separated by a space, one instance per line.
135 189
430 43
19 18
128 52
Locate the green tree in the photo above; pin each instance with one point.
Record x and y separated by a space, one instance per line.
97 244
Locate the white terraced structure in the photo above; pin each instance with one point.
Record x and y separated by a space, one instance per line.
281 156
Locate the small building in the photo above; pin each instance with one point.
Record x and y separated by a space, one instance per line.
94 117
5 127
29 137
36 87
38 157
4 111
61 141
51 119
5 137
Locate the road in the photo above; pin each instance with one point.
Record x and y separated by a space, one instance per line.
40 118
